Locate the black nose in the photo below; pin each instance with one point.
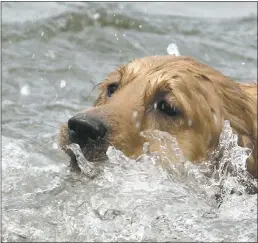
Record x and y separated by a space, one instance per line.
81 127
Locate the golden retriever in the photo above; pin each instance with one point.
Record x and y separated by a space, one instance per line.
178 95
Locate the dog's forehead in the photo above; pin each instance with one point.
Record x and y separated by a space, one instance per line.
152 61
177 71
151 69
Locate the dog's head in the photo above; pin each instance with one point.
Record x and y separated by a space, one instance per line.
178 95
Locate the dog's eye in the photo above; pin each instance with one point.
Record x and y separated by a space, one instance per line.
111 89
166 108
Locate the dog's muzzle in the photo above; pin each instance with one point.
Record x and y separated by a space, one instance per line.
82 128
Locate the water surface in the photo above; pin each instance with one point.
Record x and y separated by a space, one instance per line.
53 53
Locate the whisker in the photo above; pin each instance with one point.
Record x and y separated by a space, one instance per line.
35 151
38 125
56 92
29 139
108 141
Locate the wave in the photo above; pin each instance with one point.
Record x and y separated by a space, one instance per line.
83 16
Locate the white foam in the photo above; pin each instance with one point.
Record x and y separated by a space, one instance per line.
130 200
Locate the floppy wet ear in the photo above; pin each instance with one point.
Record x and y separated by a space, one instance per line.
245 141
240 108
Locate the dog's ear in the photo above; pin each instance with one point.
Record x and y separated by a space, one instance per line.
248 142
237 103
240 108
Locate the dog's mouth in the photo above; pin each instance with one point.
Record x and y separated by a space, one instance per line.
93 151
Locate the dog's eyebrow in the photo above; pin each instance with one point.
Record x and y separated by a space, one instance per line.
157 90
121 70
163 86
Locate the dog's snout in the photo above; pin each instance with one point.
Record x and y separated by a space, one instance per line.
82 127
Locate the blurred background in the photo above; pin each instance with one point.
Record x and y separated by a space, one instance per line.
53 53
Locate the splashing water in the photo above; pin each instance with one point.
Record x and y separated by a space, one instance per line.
62 84
25 90
228 173
231 163
86 167
172 49
157 197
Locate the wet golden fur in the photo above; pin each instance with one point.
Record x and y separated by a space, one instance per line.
204 96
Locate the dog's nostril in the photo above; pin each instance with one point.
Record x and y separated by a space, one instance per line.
72 124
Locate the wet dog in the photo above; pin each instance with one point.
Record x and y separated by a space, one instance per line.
178 95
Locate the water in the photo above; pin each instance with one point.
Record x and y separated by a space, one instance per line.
52 56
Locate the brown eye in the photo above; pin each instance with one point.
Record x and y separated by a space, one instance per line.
111 89
166 108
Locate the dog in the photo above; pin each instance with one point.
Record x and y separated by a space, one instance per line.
174 94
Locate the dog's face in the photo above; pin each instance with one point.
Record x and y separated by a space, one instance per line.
178 95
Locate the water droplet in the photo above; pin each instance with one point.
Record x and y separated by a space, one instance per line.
51 54
62 84
69 67
140 26
243 63
135 114
33 56
55 146
173 50
215 118
25 90
96 16
42 34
